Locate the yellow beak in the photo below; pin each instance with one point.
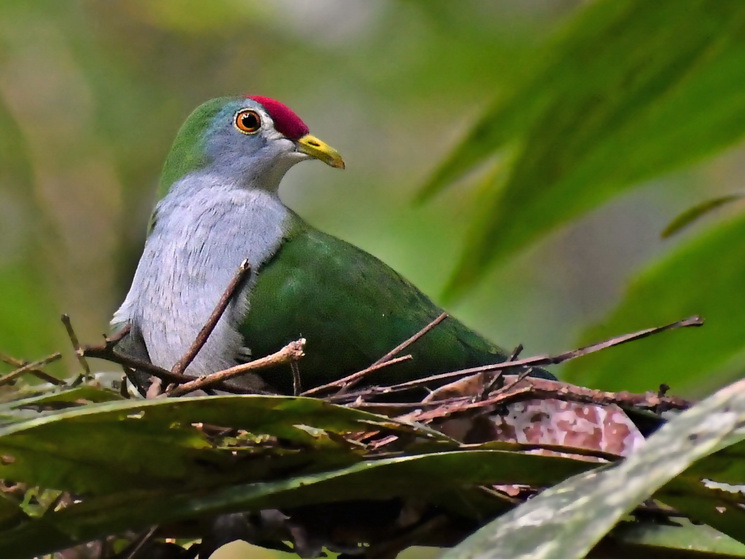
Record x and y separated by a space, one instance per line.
310 145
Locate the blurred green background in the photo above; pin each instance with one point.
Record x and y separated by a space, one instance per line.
92 93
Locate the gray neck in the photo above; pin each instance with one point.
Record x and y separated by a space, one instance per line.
203 229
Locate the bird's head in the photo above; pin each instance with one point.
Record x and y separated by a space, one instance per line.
249 140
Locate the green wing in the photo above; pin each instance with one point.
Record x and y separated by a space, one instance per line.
352 309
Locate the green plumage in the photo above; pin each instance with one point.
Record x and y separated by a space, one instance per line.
188 150
352 309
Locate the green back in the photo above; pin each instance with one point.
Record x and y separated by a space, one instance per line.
352 309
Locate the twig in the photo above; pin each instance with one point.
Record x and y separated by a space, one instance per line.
544 389
288 354
520 377
500 374
143 539
240 275
38 373
402 346
691 321
346 382
118 336
76 345
540 359
349 381
11 376
296 384
108 353
426 412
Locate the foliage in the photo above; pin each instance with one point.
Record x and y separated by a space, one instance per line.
624 92
128 464
614 99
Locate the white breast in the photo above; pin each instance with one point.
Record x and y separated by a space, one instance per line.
203 230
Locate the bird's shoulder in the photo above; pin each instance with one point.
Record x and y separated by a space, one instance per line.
310 260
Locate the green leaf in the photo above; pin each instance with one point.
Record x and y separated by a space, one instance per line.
696 212
72 396
638 537
31 400
704 276
625 93
420 476
719 509
107 446
725 466
567 520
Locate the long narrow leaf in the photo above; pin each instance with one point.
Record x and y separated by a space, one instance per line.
414 476
628 91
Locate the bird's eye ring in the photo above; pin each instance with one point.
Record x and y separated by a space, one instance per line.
247 121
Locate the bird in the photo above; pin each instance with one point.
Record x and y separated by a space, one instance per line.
219 206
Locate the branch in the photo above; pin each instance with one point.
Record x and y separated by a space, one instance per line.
38 373
76 345
134 548
544 388
402 346
523 389
349 381
27 368
297 386
499 377
118 336
288 354
529 361
240 275
107 353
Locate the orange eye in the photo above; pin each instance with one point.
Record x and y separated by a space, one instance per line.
247 121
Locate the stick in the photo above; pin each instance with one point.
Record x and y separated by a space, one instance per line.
118 337
545 389
107 353
76 345
143 539
347 382
547 359
535 388
351 380
38 373
11 376
296 384
288 354
500 374
240 275
400 347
